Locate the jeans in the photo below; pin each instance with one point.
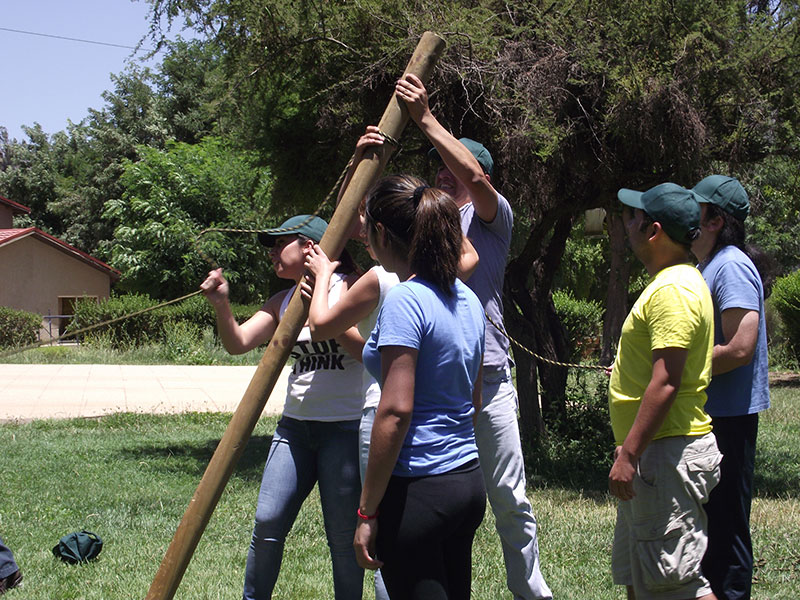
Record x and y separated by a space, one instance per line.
302 453
364 436
728 563
500 451
8 565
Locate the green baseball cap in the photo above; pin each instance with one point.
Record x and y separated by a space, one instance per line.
477 150
725 192
670 204
311 227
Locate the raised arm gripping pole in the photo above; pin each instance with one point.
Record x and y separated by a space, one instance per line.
187 536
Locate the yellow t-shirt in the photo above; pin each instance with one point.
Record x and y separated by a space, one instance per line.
674 311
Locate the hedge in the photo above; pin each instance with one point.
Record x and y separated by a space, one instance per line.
786 300
18 327
149 327
583 322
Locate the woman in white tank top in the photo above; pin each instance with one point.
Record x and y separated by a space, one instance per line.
317 438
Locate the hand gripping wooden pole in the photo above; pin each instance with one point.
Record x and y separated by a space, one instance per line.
244 420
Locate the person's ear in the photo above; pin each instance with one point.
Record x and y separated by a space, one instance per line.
656 229
714 224
382 234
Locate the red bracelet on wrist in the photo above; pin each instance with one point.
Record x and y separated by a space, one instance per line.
364 517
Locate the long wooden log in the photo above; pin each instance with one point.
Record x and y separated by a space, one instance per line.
187 536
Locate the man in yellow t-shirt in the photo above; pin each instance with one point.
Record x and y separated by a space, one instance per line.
666 461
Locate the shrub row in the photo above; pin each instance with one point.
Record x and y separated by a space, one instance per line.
151 325
785 299
583 321
18 327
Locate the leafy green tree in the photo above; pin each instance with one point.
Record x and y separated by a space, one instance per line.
169 197
67 178
574 99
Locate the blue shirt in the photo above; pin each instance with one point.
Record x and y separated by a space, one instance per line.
492 242
448 334
735 283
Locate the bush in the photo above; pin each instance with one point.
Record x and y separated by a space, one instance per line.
583 321
182 344
18 327
578 451
128 332
175 324
786 300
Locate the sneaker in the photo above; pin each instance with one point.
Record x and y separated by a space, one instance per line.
10 582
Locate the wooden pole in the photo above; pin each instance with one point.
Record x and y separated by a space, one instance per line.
187 536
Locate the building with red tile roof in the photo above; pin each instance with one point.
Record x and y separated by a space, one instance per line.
45 275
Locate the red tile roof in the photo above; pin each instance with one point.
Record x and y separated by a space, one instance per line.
18 208
8 236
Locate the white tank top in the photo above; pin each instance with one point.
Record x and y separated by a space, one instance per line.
386 281
326 382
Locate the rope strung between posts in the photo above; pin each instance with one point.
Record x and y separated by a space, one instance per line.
211 262
542 358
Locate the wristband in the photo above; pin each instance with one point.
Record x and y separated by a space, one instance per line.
364 517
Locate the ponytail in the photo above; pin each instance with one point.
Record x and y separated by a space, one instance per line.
422 223
436 244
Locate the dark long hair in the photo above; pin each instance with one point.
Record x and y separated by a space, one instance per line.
733 234
422 223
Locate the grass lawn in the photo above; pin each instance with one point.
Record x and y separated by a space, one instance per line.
129 479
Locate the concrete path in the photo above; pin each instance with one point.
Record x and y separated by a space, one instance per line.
66 391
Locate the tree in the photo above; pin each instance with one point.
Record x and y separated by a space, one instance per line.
574 99
67 178
170 196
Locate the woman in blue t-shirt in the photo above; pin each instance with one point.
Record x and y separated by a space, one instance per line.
423 496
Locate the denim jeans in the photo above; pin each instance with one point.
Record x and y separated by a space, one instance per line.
303 453
500 451
364 436
8 565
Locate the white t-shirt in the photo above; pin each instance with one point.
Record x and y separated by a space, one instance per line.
386 281
326 382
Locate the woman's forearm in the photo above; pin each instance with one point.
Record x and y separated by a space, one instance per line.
388 432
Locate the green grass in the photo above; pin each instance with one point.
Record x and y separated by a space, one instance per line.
150 354
129 479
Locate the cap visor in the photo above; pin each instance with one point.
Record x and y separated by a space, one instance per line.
631 198
700 198
266 239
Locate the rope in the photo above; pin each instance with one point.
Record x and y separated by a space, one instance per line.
208 259
542 358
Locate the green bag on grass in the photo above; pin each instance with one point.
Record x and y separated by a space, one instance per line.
78 546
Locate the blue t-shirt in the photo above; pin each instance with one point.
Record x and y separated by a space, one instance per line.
735 283
492 242
448 334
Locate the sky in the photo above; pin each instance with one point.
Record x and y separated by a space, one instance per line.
48 80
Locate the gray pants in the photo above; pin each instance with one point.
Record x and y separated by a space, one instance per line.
500 451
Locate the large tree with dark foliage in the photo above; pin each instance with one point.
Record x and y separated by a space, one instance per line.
575 99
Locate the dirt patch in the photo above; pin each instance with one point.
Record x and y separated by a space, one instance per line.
784 379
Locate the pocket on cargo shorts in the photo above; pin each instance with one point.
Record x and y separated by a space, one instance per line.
668 551
703 474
